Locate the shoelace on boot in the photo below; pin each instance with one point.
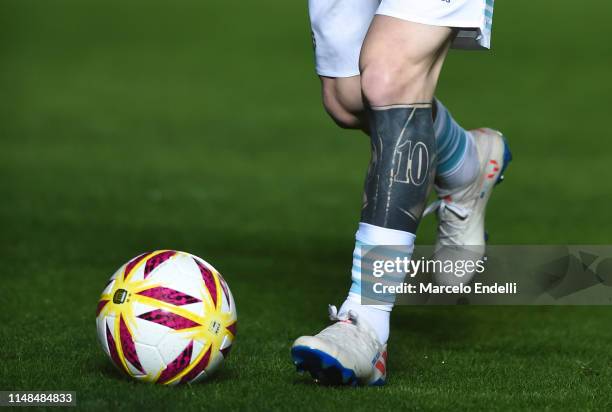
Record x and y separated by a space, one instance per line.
349 316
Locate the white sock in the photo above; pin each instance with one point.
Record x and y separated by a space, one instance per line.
377 316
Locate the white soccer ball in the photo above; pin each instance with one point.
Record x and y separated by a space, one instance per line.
166 317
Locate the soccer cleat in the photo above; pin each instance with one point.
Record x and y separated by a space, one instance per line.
345 353
461 213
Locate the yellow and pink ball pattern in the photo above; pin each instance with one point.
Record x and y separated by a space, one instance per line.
166 317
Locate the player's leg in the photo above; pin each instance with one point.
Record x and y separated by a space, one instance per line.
401 66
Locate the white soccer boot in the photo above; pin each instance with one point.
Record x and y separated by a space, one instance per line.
461 213
345 353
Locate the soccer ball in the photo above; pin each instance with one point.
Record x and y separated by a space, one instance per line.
166 317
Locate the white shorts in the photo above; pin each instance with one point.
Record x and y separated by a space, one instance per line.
339 26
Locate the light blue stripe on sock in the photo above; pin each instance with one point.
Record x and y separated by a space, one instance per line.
451 140
370 268
356 270
441 126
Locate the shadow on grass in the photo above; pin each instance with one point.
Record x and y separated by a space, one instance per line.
435 326
109 371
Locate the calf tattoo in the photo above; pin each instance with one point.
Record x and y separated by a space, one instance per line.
402 167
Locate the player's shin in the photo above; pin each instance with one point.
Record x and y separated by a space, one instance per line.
397 185
401 168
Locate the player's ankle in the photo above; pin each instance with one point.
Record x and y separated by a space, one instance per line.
376 316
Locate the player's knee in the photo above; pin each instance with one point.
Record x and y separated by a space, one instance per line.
377 83
385 84
339 112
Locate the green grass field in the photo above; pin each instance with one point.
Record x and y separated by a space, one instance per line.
195 125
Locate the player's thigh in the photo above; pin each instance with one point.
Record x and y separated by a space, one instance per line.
403 42
473 19
402 59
